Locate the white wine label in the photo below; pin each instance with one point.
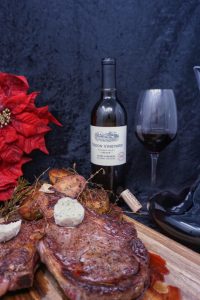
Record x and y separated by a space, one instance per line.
108 145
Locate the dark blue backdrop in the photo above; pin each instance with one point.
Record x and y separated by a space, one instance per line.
58 46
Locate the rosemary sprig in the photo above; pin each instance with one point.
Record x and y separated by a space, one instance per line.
22 190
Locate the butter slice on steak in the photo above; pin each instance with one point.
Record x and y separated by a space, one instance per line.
101 258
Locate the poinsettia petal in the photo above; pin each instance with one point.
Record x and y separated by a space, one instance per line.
9 134
2 142
6 175
12 102
2 100
5 181
6 189
9 185
32 96
34 142
12 171
28 124
24 80
19 102
29 118
7 193
43 112
54 120
9 174
10 154
11 84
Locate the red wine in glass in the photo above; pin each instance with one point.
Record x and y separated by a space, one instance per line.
155 142
156 122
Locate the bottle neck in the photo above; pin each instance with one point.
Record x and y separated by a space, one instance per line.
108 93
109 81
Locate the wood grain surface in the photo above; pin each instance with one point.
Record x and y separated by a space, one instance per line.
183 264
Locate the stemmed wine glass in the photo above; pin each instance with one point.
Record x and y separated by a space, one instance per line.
156 122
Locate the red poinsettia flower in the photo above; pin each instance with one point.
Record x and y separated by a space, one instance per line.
22 129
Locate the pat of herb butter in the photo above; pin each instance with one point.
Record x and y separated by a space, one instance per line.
68 212
9 231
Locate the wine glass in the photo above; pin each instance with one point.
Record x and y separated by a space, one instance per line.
156 122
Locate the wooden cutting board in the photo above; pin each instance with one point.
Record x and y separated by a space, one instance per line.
183 264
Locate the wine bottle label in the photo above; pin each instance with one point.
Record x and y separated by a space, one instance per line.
108 145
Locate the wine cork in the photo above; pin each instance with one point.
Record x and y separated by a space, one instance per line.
131 200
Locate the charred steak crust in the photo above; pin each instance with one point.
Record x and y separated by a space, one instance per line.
102 258
19 257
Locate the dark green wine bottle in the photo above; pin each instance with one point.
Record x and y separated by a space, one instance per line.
108 132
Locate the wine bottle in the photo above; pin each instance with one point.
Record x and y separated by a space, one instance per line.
108 133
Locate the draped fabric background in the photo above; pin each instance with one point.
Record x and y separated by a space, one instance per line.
58 45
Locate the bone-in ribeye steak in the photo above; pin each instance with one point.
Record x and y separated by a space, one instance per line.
19 258
101 258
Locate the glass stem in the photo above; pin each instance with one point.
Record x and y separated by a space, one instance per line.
154 160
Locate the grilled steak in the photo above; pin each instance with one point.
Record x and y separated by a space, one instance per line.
19 257
101 258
